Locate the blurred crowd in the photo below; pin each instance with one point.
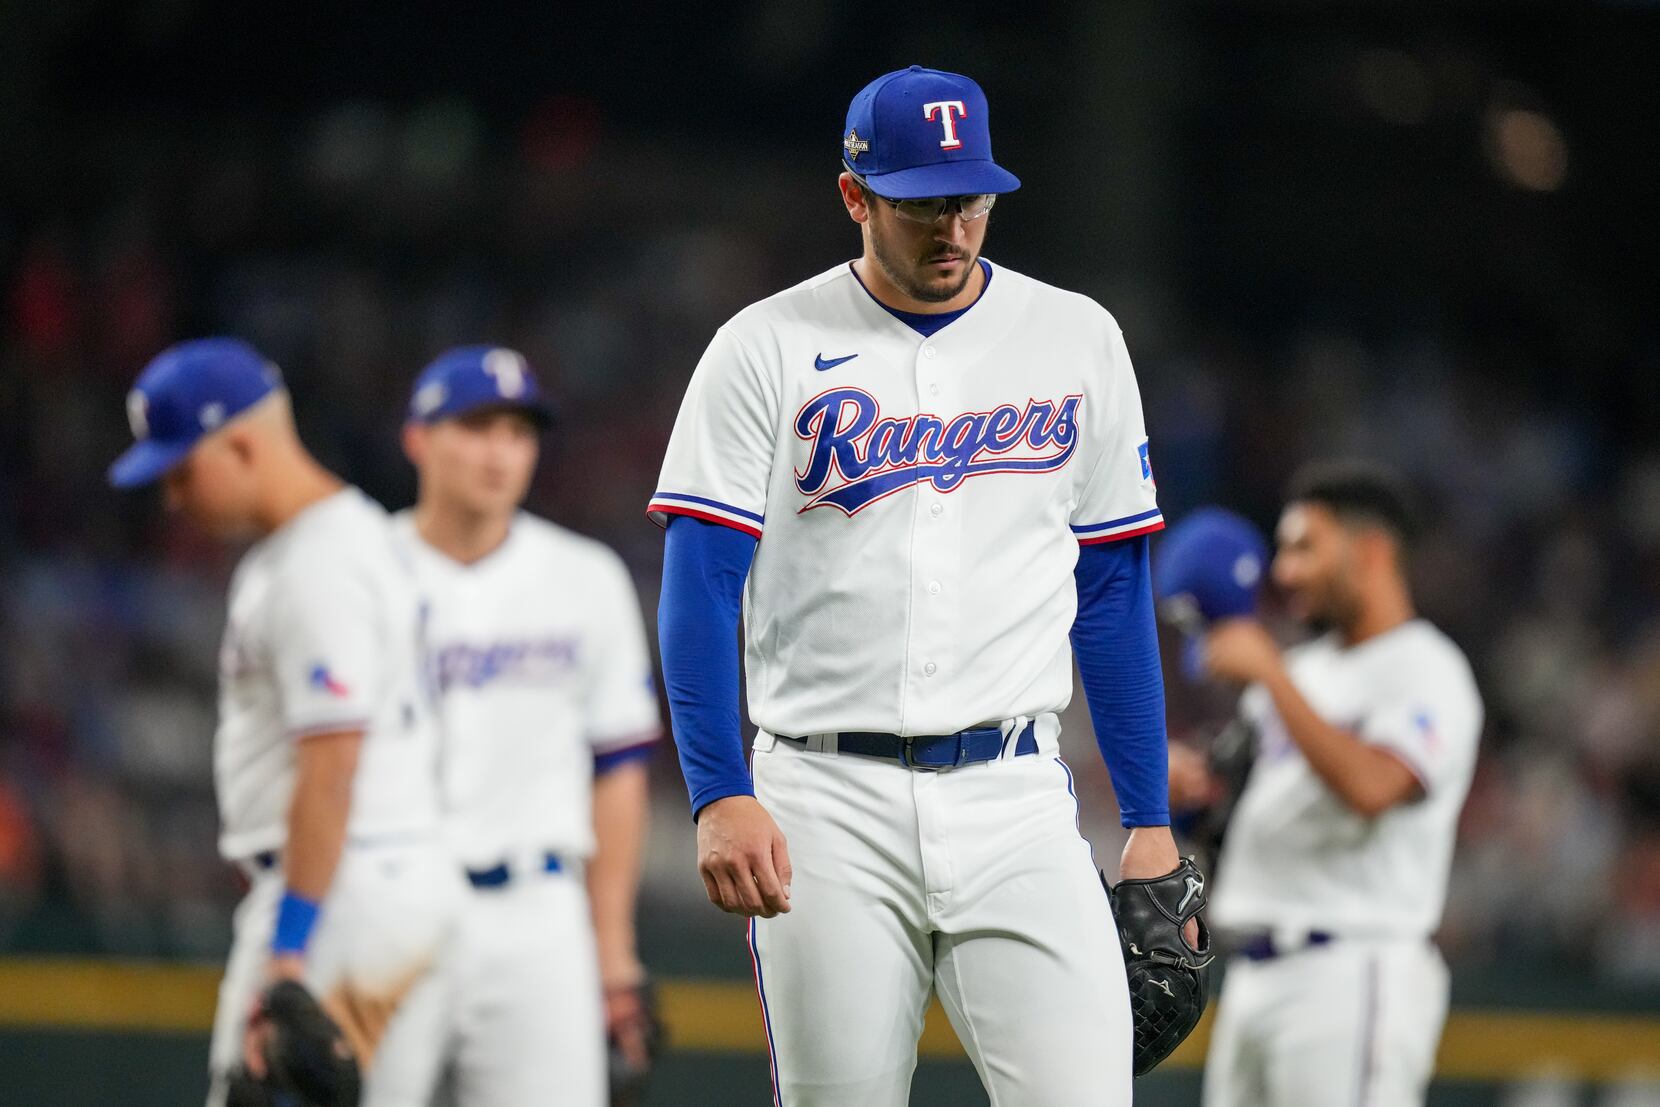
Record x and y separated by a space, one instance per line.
355 244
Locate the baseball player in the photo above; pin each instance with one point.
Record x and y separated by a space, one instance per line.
548 714
1334 869
920 471
324 755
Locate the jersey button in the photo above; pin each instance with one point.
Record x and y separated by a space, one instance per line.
930 669
928 352
933 588
937 510
934 389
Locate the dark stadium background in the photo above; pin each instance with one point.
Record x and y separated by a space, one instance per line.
1424 233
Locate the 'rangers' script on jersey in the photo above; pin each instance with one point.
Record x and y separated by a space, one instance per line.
859 456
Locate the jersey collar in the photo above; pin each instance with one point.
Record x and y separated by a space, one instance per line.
911 319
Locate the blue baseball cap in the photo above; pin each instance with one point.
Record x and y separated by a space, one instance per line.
467 378
1214 561
187 392
918 133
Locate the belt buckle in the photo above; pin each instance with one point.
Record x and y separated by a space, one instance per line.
907 752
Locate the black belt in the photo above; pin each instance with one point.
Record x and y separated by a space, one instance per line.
933 751
497 876
1262 947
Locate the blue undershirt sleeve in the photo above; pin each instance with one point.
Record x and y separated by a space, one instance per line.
616 759
1116 641
704 569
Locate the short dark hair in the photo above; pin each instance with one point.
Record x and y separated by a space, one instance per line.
1358 493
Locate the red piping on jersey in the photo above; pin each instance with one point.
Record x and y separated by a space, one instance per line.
708 517
1149 529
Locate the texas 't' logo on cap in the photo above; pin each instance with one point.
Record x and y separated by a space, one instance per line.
467 378
508 369
947 112
918 133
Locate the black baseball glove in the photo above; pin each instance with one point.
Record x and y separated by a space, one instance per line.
634 1037
1169 979
307 1060
1232 753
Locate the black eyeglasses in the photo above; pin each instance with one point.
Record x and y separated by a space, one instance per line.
930 210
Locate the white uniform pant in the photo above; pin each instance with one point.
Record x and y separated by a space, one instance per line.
526 1018
973 883
1349 1024
383 927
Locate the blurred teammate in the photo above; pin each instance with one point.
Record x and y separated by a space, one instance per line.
1334 870
919 471
324 755
548 714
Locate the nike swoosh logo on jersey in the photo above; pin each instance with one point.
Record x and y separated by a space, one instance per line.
821 363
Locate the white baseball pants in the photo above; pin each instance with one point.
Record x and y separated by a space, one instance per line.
526 1018
383 928
1349 1024
972 883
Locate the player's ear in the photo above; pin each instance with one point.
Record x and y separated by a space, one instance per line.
240 442
858 208
1374 547
414 442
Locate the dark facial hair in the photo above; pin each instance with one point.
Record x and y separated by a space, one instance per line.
899 271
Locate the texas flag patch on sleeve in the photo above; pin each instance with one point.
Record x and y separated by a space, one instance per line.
324 681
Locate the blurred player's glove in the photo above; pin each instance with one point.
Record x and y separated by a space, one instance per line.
1169 979
307 1060
634 1037
1232 753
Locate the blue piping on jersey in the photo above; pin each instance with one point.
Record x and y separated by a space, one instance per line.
1110 523
738 511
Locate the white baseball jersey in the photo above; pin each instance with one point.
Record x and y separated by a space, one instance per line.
1297 857
322 635
919 500
541 665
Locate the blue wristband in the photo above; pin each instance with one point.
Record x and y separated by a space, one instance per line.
296 915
